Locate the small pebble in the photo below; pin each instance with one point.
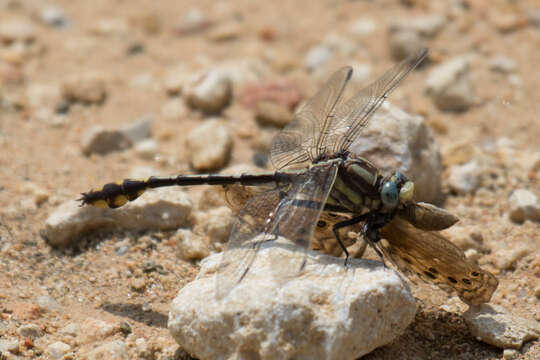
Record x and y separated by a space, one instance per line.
363 26
139 129
47 303
509 354
508 258
193 21
209 145
138 284
494 325
57 350
190 246
283 92
404 43
224 32
502 64
31 331
426 25
85 88
147 149
273 114
116 350
317 57
93 330
174 109
54 17
216 224
7 345
98 140
524 205
210 92
464 179
450 85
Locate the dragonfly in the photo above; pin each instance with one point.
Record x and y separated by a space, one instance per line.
319 189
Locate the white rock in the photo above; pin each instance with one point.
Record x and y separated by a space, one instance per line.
113 350
450 85
326 312
57 350
99 140
317 56
159 209
524 205
209 145
209 91
193 21
509 354
396 140
494 325
464 179
508 258
190 246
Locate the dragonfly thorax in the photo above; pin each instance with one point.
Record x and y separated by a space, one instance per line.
360 186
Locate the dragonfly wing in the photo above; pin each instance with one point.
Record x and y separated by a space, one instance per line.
431 257
297 216
354 114
299 143
244 242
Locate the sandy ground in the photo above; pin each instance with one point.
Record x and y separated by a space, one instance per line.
132 46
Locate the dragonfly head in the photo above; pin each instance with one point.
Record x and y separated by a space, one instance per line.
396 190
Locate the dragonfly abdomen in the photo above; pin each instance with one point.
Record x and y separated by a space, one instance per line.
113 195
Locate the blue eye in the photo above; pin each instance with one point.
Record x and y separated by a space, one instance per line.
390 194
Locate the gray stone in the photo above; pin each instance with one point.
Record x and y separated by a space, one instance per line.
524 205
396 140
209 91
99 140
31 331
57 350
464 179
159 209
450 85
209 145
139 129
326 312
494 325
317 56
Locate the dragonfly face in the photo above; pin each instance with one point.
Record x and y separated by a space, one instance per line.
320 188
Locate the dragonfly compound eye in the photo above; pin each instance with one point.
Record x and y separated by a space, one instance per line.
389 194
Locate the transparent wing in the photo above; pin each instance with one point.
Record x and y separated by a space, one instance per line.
353 115
303 139
297 216
431 257
244 242
290 212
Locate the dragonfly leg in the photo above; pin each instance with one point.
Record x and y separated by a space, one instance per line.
371 228
345 223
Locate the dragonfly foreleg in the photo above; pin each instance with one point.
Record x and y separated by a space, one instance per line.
345 223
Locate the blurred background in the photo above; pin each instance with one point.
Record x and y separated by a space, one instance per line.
96 91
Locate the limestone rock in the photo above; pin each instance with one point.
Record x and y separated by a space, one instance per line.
494 325
209 145
326 312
